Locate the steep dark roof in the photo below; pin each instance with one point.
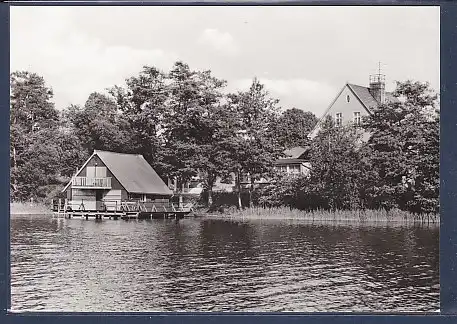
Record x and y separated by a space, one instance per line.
134 173
366 97
295 152
290 161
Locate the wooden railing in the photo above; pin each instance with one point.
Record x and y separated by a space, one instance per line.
91 182
119 206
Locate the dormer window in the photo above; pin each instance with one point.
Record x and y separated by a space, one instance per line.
339 119
357 118
348 98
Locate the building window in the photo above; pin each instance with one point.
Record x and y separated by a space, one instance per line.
357 118
294 169
348 98
339 119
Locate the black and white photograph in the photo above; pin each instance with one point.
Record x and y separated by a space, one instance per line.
225 159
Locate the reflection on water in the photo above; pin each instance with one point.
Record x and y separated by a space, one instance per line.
216 265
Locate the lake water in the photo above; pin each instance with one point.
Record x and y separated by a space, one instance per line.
217 265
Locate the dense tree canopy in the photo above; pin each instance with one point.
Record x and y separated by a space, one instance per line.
293 127
34 123
255 147
404 150
398 167
99 125
185 124
336 167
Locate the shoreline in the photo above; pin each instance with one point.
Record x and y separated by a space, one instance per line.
334 221
277 214
344 217
17 208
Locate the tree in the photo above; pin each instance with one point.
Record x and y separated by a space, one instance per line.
404 150
195 124
281 190
182 124
336 173
31 107
33 126
255 147
98 125
143 105
293 126
214 158
70 152
177 121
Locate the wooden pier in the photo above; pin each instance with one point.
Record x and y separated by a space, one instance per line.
119 210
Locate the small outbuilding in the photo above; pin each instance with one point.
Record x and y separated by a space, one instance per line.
108 179
294 162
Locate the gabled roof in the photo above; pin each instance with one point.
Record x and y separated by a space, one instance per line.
290 161
363 95
295 152
133 172
367 99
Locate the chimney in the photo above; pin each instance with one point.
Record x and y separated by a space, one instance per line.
378 87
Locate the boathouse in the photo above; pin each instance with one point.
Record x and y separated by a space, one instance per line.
108 179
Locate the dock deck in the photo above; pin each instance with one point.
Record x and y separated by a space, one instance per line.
123 210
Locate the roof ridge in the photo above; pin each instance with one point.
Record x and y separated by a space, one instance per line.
298 146
353 84
118 153
357 85
364 104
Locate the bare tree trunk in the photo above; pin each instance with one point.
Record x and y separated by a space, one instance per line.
180 201
210 180
238 184
251 189
181 195
210 197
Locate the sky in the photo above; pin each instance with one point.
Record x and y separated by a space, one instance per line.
304 55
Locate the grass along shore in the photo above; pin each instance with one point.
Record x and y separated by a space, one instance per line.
27 208
359 216
277 213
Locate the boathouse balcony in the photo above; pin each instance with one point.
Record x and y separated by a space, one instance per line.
91 183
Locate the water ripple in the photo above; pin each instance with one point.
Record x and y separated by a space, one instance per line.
214 265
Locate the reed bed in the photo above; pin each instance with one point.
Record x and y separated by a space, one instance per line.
358 216
27 208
